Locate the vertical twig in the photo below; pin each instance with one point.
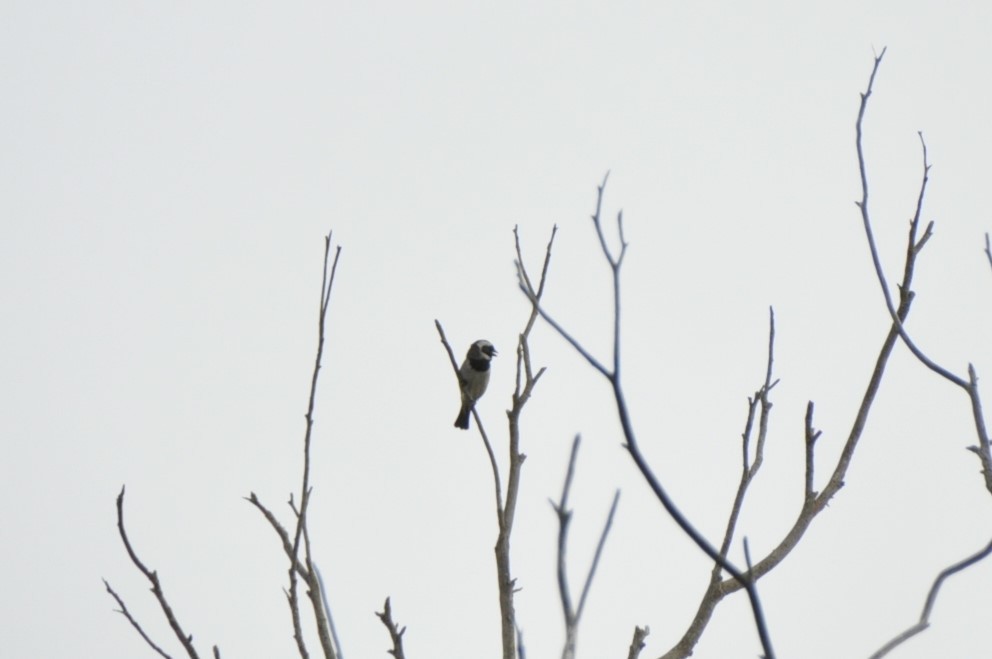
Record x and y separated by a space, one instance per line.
573 614
715 590
303 568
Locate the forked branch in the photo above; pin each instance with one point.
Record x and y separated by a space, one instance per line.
395 631
186 640
296 546
573 614
932 600
969 384
613 376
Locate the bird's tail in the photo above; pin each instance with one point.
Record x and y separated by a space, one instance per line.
463 417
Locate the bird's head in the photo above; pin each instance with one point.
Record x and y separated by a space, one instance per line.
482 349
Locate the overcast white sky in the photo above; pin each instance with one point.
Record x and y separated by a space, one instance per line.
169 170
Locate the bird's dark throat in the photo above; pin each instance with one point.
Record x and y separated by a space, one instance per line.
479 364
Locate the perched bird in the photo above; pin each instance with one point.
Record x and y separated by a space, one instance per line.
473 378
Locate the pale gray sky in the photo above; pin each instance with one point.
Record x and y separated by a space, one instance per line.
169 170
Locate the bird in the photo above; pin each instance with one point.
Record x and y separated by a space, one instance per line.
473 378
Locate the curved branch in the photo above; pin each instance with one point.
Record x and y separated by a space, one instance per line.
185 639
932 600
984 451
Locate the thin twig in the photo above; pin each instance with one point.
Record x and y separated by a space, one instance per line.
749 469
134 623
304 569
637 643
876 260
327 612
932 600
323 633
599 552
564 517
813 505
811 435
280 531
984 451
395 632
574 615
185 639
526 380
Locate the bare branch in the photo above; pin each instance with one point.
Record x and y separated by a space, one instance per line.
134 623
746 581
447 346
280 531
304 569
983 449
814 503
579 348
526 380
637 643
327 612
599 552
395 632
811 436
574 615
988 249
631 440
302 531
564 517
932 599
185 639
292 599
715 592
750 467
914 246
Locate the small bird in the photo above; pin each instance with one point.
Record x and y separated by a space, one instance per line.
473 378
